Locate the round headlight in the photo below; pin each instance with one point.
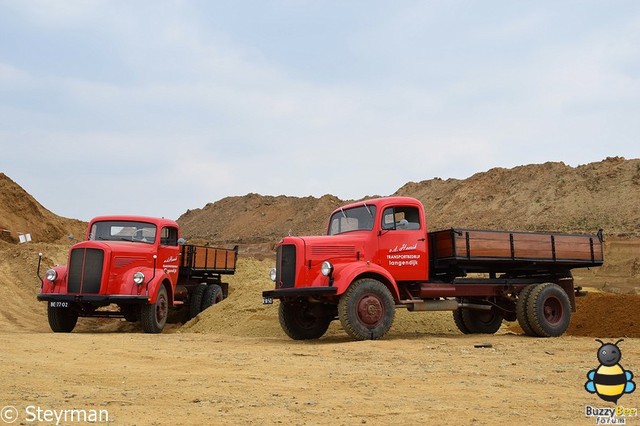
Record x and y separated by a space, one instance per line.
326 268
272 274
138 278
51 275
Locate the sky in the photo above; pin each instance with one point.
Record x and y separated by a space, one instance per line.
157 107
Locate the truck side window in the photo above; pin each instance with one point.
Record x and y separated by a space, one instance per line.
169 236
401 218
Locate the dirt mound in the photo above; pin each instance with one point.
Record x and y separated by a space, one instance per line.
606 315
540 197
599 315
21 213
544 197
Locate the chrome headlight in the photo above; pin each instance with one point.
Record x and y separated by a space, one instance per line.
272 274
326 268
138 278
51 275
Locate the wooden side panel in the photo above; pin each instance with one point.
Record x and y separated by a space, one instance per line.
577 247
210 258
471 244
200 258
443 244
489 244
532 246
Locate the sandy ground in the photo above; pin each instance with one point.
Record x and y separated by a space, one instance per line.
233 365
192 378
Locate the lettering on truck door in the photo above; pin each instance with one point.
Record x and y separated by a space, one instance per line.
168 252
402 243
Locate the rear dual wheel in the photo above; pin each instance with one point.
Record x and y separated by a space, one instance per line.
473 321
543 310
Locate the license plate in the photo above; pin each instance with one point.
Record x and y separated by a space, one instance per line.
267 300
59 304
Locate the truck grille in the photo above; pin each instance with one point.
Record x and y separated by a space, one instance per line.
85 270
286 266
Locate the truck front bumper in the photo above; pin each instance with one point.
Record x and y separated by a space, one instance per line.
282 293
97 299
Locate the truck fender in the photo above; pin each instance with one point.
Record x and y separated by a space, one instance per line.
343 277
154 286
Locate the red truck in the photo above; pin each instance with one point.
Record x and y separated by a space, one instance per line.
377 255
140 266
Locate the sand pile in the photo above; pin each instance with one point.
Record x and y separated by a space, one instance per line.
243 314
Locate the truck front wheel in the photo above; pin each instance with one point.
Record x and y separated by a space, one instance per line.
154 316
303 321
366 310
61 320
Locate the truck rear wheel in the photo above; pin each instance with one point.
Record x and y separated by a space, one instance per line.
522 310
212 295
366 310
473 321
154 316
195 300
303 321
549 310
61 320
457 318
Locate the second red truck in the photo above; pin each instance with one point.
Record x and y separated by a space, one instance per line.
377 255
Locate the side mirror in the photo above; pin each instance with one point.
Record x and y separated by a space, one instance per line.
181 241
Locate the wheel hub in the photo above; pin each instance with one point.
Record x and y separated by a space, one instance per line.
552 310
370 310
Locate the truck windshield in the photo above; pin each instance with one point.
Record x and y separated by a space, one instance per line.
142 232
355 219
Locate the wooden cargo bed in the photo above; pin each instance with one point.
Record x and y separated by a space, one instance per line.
467 250
208 259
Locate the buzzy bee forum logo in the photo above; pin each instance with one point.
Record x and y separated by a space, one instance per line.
610 381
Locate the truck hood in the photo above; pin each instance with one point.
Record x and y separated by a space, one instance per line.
330 246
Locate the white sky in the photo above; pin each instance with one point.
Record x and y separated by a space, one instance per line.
156 107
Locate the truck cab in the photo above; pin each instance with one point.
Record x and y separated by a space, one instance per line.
141 266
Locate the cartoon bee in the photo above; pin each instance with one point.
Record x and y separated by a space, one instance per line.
610 381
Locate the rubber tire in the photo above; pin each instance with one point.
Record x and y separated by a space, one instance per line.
195 300
457 318
212 295
154 316
549 310
61 320
522 313
302 321
480 322
368 295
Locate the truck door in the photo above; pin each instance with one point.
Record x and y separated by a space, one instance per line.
402 243
168 252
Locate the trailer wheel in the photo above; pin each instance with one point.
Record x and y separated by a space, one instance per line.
212 295
483 322
195 300
303 321
154 316
366 309
549 310
61 320
522 311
